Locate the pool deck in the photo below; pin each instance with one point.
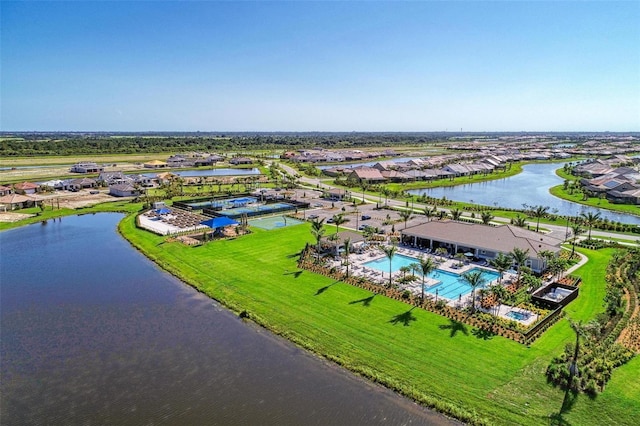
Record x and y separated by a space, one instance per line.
357 268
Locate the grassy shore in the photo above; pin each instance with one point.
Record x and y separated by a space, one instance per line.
443 364
576 197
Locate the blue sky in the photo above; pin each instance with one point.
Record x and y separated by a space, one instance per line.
320 66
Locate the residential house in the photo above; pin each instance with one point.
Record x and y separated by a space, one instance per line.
366 174
17 201
86 167
236 161
25 188
155 164
5 190
78 184
123 190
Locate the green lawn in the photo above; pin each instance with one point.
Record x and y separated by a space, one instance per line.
421 354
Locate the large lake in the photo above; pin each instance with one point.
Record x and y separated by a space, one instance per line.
94 333
531 187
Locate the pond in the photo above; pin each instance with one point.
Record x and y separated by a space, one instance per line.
531 187
95 333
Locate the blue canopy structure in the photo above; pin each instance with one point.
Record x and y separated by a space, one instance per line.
219 222
163 210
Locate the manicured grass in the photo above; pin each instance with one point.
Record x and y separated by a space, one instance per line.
123 206
419 353
576 197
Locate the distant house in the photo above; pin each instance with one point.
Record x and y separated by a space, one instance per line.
337 194
53 184
25 188
236 161
78 184
366 174
86 167
5 190
210 160
123 190
155 164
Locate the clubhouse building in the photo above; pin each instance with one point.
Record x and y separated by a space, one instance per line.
481 241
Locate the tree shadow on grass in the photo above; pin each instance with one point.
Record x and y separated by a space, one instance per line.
558 419
455 327
325 288
365 302
292 255
481 333
404 318
295 274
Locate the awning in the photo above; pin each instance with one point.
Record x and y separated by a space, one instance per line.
163 210
219 222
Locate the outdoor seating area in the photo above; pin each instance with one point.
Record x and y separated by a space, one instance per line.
359 266
171 220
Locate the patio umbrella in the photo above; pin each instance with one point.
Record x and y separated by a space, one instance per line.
219 222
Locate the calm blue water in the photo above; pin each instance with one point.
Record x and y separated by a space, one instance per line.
531 187
94 333
450 284
397 262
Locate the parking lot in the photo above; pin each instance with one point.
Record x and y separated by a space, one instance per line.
359 216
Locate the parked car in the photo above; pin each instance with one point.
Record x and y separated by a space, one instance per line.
330 220
313 216
366 217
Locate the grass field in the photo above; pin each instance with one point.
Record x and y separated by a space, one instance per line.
430 358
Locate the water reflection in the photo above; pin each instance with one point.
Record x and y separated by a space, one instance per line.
94 333
531 187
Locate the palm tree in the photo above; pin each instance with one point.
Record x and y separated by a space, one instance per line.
339 219
427 265
577 230
405 270
539 212
364 185
519 257
590 219
389 251
386 193
317 230
405 215
456 214
547 256
581 330
475 280
500 293
486 217
519 221
347 249
442 214
501 262
428 213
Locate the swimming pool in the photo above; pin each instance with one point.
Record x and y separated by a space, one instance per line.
449 285
519 316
